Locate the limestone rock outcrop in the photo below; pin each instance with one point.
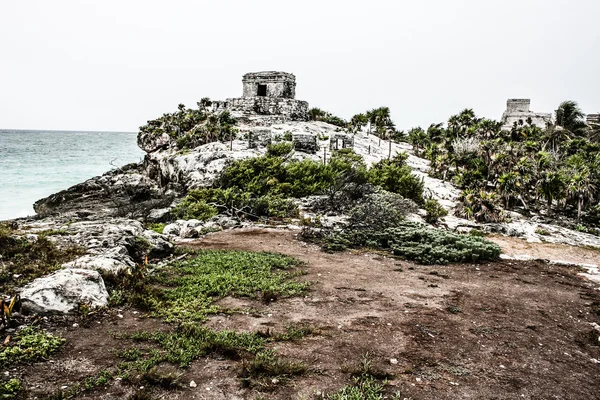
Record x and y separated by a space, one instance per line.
65 291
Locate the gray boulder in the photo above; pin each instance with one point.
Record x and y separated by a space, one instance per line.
172 229
64 291
98 263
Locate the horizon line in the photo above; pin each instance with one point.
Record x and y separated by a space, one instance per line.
65 130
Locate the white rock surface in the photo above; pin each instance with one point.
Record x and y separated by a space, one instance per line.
64 291
100 263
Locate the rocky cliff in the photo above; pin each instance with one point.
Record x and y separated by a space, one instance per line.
108 215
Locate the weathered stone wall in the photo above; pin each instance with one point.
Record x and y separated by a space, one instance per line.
294 110
518 105
279 84
517 111
259 138
276 106
341 141
593 119
305 142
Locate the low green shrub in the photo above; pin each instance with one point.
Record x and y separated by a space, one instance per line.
396 176
203 204
434 210
380 210
316 114
279 149
415 242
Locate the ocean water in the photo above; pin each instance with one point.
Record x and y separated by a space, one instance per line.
35 164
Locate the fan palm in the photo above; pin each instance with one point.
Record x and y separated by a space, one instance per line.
580 187
570 117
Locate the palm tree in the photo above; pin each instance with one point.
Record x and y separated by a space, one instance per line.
570 117
580 187
509 184
418 138
204 103
381 118
551 186
436 132
358 121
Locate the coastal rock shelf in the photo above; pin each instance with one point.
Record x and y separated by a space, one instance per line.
108 215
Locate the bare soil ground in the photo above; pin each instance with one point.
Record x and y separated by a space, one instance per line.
549 251
499 330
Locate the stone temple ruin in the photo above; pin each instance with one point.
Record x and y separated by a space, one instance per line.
517 111
268 95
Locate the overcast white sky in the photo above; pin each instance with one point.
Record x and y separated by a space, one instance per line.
112 65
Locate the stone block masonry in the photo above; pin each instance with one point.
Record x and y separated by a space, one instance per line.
268 97
341 141
305 142
517 111
269 84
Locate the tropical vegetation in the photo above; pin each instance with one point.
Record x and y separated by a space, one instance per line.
554 169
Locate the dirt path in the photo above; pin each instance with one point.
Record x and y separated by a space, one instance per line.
549 251
502 330
497 330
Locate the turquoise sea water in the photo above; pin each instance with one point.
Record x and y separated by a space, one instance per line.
35 164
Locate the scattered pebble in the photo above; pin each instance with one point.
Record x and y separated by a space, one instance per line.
595 361
275 381
193 384
120 315
454 383
63 387
393 361
75 325
418 379
502 366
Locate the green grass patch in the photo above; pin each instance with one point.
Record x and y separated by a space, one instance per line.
157 227
365 388
10 388
30 344
187 343
267 369
189 288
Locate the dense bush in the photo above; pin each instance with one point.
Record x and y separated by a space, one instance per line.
316 114
279 149
202 204
272 175
380 210
192 127
434 210
412 241
395 176
481 206
592 216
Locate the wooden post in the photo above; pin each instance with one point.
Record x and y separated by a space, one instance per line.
369 149
325 155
